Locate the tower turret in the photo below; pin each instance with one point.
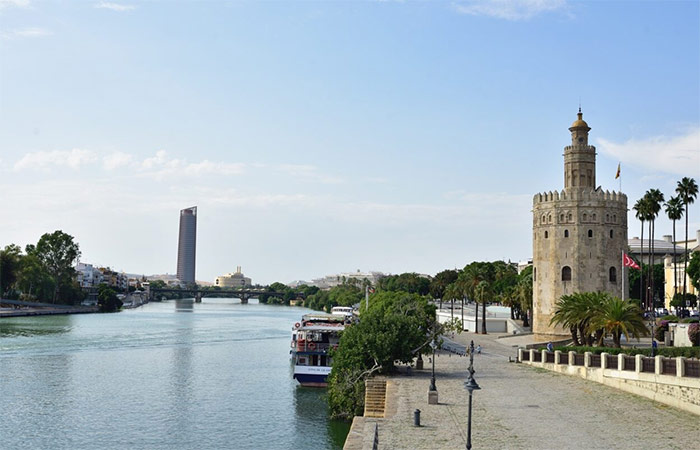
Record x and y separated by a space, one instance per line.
579 157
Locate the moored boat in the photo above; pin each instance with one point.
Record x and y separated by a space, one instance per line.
312 339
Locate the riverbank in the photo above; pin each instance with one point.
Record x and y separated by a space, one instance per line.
17 308
518 406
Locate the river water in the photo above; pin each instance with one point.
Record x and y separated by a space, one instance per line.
170 375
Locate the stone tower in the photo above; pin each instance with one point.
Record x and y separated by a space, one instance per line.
578 235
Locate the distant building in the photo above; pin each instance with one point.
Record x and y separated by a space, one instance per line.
578 235
233 280
187 245
669 272
330 281
662 247
87 275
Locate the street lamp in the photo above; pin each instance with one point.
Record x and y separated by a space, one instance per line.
432 379
471 386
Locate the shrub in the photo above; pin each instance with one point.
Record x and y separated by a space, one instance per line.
661 329
669 318
694 333
690 320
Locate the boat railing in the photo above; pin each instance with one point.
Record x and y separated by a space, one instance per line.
311 346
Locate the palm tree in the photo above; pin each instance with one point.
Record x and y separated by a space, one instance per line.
483 293
687 190
524 293
620 317
674 211
577 312
654 200
640 208
451 293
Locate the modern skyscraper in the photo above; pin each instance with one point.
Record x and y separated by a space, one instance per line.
187 245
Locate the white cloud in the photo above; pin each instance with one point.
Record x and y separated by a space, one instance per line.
60 158
116 160
308 173
120 7
16 3
161 165
31 32
508 9
678 155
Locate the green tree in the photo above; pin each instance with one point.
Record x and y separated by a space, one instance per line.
693 270
654 200
641 209
406 282
395 328
440 282
634 278
577 312
524 293
58 253
10 265
33 279
107 299
687 190
674 211
620 317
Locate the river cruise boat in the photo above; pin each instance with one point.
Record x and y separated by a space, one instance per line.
312 339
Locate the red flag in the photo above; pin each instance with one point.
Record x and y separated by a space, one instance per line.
629 262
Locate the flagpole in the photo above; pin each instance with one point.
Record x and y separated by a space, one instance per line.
622 294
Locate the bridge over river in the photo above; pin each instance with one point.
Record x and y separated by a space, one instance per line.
243 294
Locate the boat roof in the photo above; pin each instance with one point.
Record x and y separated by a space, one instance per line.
323 317
323 327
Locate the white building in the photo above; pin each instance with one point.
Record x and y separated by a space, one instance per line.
233 280
330 281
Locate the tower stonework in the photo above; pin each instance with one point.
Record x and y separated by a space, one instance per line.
578 235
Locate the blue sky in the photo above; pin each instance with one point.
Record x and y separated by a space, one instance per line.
318 137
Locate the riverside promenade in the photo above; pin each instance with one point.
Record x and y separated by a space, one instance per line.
518 407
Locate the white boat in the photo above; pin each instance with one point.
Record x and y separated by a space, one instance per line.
312 339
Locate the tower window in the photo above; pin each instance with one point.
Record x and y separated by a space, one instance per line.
561 217
585 217
566 233
570 217
590 233
534 274
613 275
546 234
615 218
544 218
566 273
611 234
594 217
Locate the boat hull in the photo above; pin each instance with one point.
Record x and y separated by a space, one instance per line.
313 376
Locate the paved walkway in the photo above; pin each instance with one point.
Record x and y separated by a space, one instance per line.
521 407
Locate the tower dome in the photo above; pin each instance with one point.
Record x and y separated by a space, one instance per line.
579 123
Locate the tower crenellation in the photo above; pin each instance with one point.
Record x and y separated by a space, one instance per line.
578 234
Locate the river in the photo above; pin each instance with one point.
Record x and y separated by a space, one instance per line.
170 375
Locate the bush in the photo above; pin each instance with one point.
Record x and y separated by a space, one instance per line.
690 320
661 329
669 318
669 352
694 333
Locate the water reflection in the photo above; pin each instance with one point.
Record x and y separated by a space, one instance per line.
311 409
35 326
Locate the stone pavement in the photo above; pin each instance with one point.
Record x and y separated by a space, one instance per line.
521 407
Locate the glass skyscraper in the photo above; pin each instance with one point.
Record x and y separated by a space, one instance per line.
187 245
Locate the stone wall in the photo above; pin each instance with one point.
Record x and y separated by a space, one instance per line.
679 390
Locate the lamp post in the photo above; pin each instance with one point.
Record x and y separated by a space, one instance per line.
471 386
432 378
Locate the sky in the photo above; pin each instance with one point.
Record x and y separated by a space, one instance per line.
318 137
